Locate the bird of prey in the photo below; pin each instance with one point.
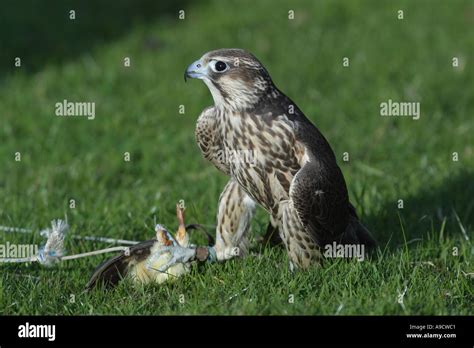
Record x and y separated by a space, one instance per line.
292 171
292 174
141 262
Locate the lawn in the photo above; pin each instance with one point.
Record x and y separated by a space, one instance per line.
425 261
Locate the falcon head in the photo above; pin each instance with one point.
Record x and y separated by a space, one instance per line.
237 80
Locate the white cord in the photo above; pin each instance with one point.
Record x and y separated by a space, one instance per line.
89 238
95 252
107 240
19 260
53 250
15 229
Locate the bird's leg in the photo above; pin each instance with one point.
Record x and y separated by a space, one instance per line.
234 214
302 249
291 267
272 236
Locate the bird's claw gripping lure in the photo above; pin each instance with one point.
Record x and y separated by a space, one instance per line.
180 250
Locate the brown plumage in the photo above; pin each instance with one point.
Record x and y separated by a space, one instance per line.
292 174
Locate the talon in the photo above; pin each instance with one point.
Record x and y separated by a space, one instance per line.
292 267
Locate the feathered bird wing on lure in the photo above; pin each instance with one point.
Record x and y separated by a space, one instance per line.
142 262
113 270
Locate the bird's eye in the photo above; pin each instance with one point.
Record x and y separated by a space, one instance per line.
220 66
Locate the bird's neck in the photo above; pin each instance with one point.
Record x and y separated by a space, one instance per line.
242 102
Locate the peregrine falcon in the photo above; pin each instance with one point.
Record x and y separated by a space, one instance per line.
274 157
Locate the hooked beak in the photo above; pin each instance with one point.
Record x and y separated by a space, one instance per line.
195 71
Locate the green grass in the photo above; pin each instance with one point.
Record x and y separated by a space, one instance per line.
137 112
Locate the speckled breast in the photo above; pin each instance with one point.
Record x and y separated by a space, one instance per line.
263 155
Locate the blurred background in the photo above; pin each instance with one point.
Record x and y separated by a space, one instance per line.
137 107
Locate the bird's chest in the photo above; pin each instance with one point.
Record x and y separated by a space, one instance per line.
262 156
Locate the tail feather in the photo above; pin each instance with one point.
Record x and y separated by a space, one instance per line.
357 233
364 236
